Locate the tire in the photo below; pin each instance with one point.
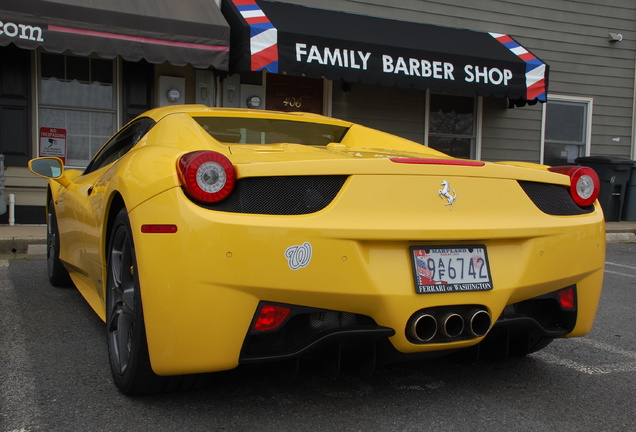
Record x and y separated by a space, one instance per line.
58 275
126 333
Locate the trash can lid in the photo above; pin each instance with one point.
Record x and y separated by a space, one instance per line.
613 160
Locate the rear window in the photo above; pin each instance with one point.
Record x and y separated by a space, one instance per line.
241 130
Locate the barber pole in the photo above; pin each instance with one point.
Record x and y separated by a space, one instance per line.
535 68
263 36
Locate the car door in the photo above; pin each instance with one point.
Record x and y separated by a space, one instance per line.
93 190
70 209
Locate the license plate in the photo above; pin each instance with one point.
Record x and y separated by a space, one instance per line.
442 269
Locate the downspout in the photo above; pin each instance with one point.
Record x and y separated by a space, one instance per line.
11 209
633 152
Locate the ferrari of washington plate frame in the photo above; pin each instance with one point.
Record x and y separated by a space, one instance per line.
443 269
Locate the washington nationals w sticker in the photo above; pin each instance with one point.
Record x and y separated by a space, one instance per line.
298 256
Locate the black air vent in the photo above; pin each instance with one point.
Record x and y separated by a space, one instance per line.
291 195
553 199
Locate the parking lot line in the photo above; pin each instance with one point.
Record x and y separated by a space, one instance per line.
620 265
593 369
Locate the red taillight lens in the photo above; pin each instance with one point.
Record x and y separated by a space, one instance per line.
159 229
567 298
270 317
584 183
206 176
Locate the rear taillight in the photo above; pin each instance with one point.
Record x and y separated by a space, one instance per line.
584 183
206 176
270 317
567 298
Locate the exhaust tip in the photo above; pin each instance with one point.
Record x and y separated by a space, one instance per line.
422 327
444 324
451 324
479 322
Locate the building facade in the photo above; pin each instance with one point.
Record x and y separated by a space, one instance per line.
469 80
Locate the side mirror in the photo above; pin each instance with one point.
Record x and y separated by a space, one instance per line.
48 167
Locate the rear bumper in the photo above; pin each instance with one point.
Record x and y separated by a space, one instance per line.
309 331
202 285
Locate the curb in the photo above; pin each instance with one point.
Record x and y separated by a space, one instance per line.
20 245
36 252
620 238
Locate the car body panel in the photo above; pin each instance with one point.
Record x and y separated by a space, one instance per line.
357 266
201 285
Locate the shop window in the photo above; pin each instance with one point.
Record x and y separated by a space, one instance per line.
77 94
566 130
452 125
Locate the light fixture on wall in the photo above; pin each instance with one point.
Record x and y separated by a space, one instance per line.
615 37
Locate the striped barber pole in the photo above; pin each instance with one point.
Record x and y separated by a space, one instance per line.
535 68
263 36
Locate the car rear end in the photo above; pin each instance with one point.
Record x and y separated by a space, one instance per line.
318 250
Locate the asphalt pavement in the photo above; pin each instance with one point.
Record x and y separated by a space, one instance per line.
29 241
54 376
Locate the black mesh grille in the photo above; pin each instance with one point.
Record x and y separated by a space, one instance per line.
553 199
291 195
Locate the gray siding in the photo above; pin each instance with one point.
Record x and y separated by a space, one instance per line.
570 35
511 134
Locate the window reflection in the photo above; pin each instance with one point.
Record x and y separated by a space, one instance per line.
565 131
452 125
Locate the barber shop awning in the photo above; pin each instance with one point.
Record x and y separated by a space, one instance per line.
180 32
297 40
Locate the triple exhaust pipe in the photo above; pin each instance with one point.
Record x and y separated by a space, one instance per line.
443 324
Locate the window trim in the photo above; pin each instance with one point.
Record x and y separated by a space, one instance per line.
588 121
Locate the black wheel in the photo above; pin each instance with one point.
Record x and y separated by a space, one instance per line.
126 333
58 275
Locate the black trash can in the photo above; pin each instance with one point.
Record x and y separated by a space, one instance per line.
629 206
614 174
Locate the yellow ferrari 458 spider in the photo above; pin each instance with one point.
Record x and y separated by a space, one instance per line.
212 238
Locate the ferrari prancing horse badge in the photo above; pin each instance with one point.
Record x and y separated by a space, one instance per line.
445 192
